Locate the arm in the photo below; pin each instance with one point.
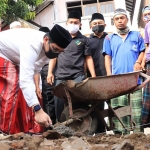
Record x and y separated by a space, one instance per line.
50 76
37 82
144 57
147 46
108 64
141 46
90 65
27 83
138 63
107 52
88 58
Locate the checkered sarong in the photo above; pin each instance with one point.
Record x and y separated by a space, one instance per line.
136 102
146 101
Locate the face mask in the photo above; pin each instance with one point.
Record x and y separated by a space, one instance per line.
147 18
73 28
98 28
51 53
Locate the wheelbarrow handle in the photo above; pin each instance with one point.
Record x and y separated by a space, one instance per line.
144 83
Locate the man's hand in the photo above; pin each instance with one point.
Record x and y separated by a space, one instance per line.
42 118
50 78
38 93
143 65
137 66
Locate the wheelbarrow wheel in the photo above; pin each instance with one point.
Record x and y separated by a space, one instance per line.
86 125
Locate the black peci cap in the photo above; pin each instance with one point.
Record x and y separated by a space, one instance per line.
60 36
74 14
97 16
44 29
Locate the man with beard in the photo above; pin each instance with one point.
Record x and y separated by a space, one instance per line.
97 24
124 51
70 63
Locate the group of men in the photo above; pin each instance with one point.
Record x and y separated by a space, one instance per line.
71 56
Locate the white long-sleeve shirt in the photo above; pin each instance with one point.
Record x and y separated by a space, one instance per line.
24 47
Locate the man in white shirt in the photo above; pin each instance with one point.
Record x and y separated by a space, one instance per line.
26 49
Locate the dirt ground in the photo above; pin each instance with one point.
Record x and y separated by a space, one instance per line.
52 140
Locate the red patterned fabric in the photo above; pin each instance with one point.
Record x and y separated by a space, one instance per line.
15 115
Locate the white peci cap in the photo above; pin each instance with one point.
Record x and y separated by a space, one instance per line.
15 23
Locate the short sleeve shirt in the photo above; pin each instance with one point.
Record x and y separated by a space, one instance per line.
70 63
96 46
123 53
147 40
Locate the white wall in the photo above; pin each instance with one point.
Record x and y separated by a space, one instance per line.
57 13
46 17
135 16
120 4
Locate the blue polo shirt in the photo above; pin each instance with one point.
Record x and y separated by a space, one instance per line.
124 53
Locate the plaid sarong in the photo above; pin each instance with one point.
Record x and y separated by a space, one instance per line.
146 101
136 101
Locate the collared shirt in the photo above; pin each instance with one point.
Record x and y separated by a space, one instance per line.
70 63
24 47
96 46
147 40
124 53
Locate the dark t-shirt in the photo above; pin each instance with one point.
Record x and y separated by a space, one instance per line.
96 46
70 63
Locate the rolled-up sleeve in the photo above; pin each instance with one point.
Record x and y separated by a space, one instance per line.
26 80
107 47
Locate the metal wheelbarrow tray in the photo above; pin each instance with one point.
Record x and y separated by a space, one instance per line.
98 89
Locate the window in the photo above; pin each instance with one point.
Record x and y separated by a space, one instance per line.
76 6
88 7
106 7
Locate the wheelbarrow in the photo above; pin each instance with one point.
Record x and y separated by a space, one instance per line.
82 100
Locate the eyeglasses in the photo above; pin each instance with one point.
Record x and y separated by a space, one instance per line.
145 8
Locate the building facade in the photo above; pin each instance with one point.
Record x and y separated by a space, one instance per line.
57 12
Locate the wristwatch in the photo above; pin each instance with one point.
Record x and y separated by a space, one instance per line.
36 108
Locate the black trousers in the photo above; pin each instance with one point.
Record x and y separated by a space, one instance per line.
59 103
48 98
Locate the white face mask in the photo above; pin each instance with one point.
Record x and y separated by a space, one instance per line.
73 28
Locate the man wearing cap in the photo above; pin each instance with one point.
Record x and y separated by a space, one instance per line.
15 24
46 94
70 63
146 61
124 51
23 52
97 24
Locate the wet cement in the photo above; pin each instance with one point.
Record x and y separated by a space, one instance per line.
63 130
